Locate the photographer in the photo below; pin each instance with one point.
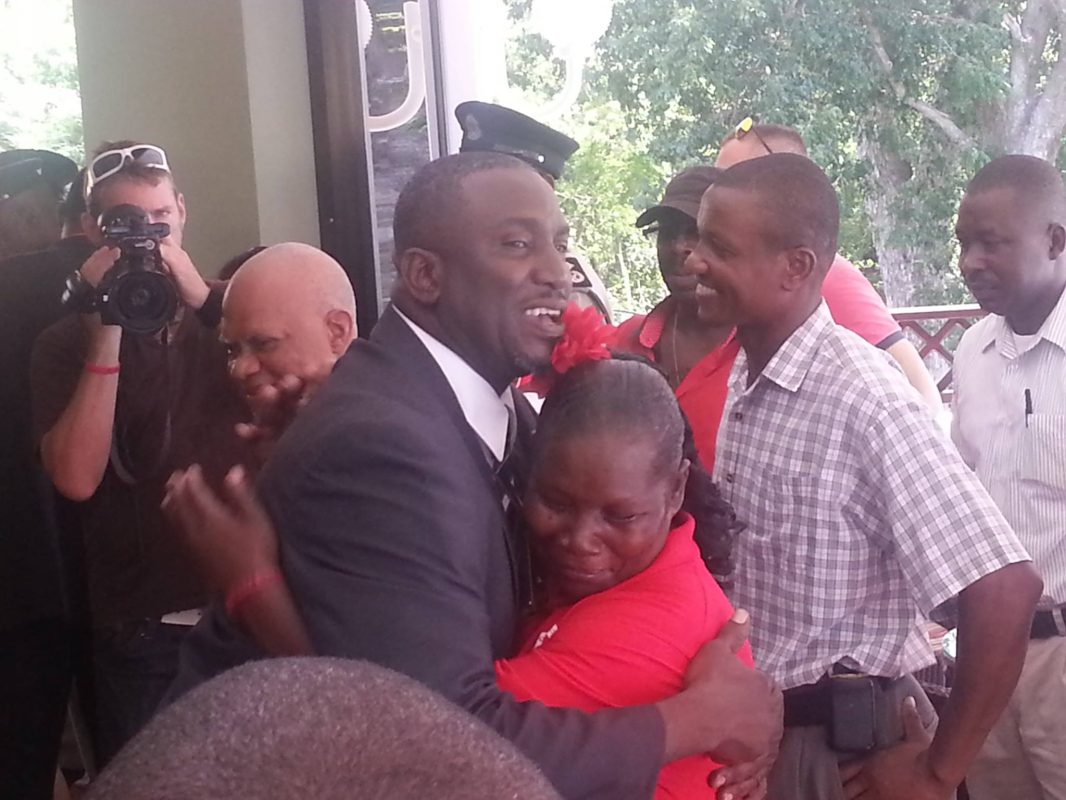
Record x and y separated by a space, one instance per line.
124 392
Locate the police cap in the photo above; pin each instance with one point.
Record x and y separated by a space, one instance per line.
22 169
487 126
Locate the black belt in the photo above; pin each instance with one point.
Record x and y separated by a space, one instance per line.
1047 624
811 704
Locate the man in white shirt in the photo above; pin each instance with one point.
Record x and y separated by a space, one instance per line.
1010 426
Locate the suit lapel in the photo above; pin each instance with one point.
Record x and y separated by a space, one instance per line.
400 342
397 338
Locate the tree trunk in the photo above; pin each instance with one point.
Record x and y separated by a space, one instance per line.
1036 102
897 262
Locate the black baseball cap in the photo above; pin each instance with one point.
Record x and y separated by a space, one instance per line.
487 126
683 193
21 169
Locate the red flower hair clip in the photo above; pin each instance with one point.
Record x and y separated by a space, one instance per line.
585 338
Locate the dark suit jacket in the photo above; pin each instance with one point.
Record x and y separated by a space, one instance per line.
394 544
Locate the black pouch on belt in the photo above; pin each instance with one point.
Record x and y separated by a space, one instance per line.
854 701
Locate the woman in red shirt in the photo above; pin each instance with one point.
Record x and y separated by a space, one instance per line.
626 529
626 596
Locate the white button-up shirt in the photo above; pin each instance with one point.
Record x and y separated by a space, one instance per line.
487 412
1010 426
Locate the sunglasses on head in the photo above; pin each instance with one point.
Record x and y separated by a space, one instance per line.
746 126
111 162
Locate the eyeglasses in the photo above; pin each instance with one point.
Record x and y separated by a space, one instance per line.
746 126
111 162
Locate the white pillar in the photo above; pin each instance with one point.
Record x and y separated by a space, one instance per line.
222 86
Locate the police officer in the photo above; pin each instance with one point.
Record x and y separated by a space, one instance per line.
487 126
31 187
35 658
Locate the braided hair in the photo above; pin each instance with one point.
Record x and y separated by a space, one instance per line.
630 395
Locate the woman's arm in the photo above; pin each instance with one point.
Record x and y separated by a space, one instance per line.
621 647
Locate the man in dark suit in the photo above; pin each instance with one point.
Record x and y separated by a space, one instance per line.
390 505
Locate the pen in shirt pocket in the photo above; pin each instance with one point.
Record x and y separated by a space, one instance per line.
1028 406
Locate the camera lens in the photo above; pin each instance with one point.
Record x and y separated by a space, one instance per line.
143 302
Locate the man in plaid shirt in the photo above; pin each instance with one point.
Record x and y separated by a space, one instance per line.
861 517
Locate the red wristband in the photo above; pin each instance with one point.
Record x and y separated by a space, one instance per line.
102 369
242 592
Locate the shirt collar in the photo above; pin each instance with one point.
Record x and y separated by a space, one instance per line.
793 359
651 330
654 326
1054 330
485 411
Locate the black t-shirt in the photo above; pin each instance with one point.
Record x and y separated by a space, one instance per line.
175 407
31 288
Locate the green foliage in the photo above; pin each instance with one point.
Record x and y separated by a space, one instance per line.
607 183
677 75
39 77
695 69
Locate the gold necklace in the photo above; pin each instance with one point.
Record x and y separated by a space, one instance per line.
677 367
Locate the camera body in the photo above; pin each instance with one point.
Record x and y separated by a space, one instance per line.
136 293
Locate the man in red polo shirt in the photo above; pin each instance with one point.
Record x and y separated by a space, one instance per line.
697 357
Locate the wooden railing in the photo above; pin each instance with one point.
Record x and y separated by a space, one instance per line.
935 331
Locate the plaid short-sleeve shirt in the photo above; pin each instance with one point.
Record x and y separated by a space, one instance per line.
861 516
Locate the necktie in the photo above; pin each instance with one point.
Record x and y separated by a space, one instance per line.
505 470
510 476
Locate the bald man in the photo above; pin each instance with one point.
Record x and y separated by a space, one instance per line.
853 301
288 311
287 316
328 728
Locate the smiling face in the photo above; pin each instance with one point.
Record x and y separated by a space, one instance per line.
600 510
267 338
288 310
737 270
505 281
1007 252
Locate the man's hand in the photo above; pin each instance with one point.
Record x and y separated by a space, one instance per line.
747 781
230 537
97 265
103 339
901 772
274 406
191 286
731 712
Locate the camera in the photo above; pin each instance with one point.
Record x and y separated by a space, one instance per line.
136 292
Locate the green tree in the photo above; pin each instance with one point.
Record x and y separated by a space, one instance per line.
900 100
608 181
39 77
606 185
